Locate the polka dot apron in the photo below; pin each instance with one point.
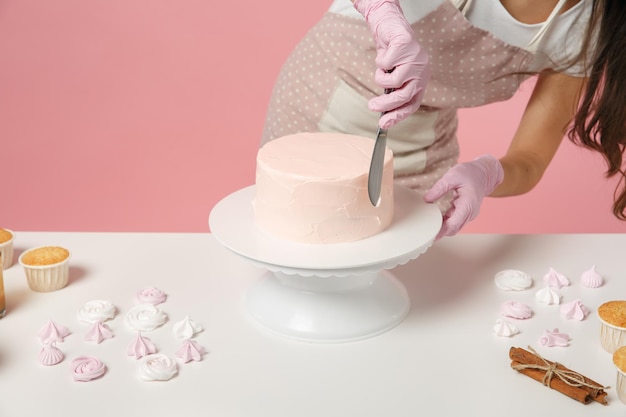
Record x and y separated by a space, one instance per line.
328 79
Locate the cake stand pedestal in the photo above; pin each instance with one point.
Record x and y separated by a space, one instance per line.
327 293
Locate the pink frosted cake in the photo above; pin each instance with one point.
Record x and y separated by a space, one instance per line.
312 188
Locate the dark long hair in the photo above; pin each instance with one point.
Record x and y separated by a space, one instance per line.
600 122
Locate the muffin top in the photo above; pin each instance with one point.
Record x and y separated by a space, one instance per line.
619 358
46 255
613 312
5 235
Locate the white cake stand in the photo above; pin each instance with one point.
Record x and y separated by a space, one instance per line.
332 292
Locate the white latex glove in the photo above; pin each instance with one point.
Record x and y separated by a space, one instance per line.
470 182
397 51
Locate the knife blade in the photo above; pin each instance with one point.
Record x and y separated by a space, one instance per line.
375 176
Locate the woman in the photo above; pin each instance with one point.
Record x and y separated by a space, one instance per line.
441 55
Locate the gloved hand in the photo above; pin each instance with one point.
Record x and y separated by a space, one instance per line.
470 182
397 50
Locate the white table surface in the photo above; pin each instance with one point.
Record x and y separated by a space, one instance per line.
442 360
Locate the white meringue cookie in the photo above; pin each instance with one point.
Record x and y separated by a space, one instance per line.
513 280
96 310
156 367
548 296
144 318
504 328
186 328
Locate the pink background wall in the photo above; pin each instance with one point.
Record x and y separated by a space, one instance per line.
140 115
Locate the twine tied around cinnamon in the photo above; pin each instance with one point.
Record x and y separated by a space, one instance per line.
571 378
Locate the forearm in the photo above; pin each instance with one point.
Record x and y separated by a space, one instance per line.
542 128
521 174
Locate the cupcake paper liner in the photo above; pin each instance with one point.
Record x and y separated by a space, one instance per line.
46 278
611 337
6 249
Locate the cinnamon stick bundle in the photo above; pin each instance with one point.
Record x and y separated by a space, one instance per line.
557 376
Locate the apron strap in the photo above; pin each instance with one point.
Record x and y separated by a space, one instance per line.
462 5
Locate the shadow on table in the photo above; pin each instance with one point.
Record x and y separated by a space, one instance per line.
446 272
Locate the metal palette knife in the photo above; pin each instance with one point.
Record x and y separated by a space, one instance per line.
375 178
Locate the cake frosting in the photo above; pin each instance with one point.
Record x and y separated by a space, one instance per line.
144 318
53 332
87 368
186 328
151 295
50 354
574 310
551 338
516 310
190 350
555 279
156 367
591 278
312 188
98 332
96 310
513 280
547 295
141 346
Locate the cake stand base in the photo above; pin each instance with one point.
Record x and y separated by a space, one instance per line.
328 310
327 293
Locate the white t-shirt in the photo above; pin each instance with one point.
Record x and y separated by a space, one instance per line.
560 44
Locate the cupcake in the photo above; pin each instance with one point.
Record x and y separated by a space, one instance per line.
612 315
619 360
46 267
6 247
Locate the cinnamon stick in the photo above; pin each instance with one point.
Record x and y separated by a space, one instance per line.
557 376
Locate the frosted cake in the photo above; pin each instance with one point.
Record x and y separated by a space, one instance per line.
312 188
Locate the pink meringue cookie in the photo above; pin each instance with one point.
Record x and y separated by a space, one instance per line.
555 279
190 351
87 368
98 332
52 332
591 278
504 328
574 310
151 295
513 280
552 338
141 346
516 310
50 354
